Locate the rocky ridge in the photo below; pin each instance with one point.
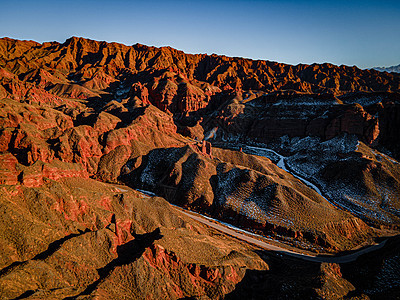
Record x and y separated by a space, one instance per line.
388 69
79 118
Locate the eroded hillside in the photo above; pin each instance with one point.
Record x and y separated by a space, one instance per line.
304 155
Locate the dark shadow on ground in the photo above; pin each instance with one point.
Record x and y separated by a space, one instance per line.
25 295
287 278
127 253
53 247
376 274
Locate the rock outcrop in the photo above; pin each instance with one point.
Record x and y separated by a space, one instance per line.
35 134
79 237
246 191
171 79
296 115
80 121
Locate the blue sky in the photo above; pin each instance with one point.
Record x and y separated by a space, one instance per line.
362 33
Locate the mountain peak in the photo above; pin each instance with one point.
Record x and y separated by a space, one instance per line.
391 69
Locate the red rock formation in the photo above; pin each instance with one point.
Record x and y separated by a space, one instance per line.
80 144
190 98
152 123
85 108
105 122
246 191
204 148
201 75
297 115
140 91
8 171
354 120
164 94
58 170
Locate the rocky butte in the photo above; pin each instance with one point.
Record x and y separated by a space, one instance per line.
114 158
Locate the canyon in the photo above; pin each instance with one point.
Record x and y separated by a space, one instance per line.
108 150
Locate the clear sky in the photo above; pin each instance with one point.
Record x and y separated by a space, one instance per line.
363 33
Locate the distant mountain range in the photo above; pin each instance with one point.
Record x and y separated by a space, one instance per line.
395 69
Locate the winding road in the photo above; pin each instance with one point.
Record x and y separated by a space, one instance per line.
281 164
265 243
